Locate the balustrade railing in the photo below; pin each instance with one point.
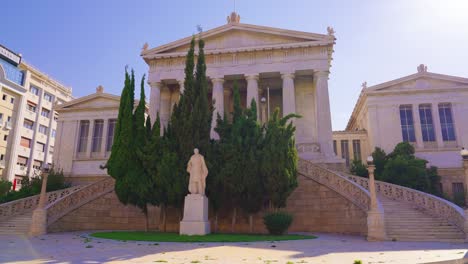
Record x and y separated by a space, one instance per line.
61 207
431 204
342 185
28 204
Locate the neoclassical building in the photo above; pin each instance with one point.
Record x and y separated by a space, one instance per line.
284 68
426 109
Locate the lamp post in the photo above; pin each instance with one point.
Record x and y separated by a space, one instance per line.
373 195
375 216
263 105
464 154
39 217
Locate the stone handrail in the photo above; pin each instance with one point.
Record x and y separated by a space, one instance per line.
30 203
61 207
431 204
345 187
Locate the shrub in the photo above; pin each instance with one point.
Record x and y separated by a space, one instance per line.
459 199
359 169
5 187
358 262
56 181
277 223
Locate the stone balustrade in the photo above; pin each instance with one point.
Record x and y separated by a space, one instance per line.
28 204
431 204
61 207
342 185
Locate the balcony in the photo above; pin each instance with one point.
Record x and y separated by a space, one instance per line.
21 170
28 114
8 125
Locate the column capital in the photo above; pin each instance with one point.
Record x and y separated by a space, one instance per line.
321 73
157 84
217 80
287 75
250 77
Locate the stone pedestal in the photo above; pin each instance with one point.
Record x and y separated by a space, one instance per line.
375 226
39 222
195 221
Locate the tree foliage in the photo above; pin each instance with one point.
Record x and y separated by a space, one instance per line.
359 169
402 167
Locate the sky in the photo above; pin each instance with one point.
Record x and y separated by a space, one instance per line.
87 43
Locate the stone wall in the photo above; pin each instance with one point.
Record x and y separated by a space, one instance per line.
315 207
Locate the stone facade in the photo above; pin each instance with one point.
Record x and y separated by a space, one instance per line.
315 207
289 69
425 109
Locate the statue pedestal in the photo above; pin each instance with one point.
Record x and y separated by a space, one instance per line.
195 221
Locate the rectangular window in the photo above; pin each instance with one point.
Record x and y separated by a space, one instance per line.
22 161
334 147
43 129
1 118
51 149
427 125
53 133
37 164
34 90
31 106
97 135
407 124
83 138
457 188
110 134
48 97
446 122
2 157
357 149
4 97
345 151
40 147
12 100
25 142
28 124
45 112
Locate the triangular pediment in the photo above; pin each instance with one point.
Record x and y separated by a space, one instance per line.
242 36
93 101
421 81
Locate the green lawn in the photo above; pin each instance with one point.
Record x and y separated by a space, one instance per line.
174 237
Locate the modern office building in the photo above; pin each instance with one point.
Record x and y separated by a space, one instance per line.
28 121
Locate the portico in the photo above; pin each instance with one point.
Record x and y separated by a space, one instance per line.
288 68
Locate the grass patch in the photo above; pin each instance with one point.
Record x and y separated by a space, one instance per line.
174 237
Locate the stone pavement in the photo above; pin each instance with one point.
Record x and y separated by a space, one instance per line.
76 247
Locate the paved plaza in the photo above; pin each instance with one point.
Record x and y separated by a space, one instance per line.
77 247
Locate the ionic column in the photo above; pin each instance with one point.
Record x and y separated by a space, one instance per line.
289 94
252 90
437 127
105 130
165 106
323 116
417 127
155 99
89 144
218 98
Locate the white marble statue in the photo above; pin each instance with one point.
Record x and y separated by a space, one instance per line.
198 172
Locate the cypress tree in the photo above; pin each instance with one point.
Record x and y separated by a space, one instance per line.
279 159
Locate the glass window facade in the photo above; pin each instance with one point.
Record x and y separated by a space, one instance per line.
12 72
427 125
446 122
407 123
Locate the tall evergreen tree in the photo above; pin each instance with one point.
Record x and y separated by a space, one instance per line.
279 159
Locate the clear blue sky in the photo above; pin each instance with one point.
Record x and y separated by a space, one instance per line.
86 43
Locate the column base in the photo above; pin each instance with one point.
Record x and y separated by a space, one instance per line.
375 226
39 222
195 221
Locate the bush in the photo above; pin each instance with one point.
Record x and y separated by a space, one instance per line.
277 223
5 187
459 199
359 169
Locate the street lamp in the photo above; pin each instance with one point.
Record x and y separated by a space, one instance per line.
39 217
263 104
375 219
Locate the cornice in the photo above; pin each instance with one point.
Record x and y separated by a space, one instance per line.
46 78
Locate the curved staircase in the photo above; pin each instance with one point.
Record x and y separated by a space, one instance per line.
404 222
